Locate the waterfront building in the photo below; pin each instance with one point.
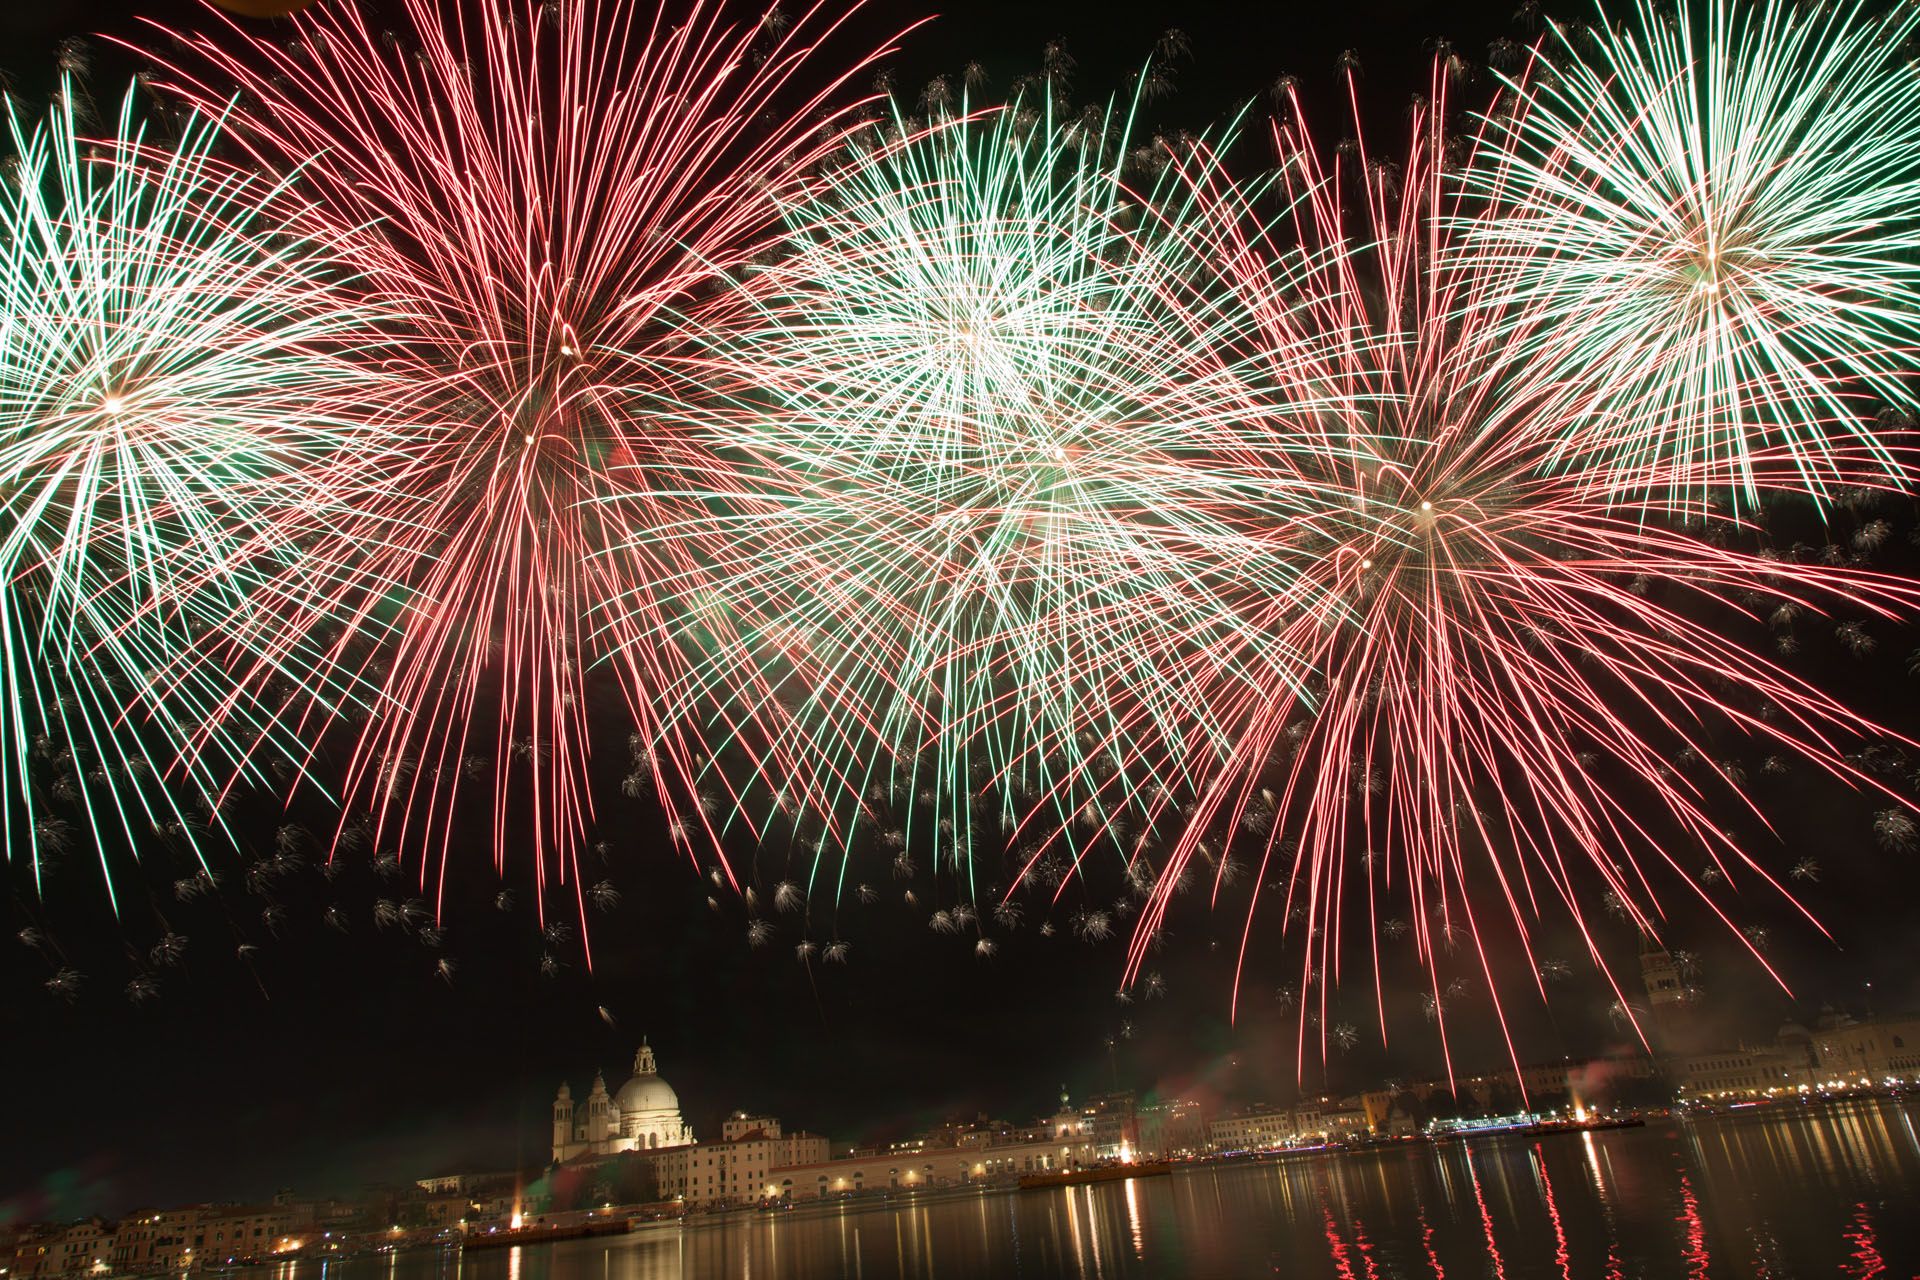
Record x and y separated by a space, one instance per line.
1261 1127
1744 1071
442 1184
83 1249
755 1160
240 1233
741 1167
1255 1128
1386 1112
1069 1124
1343 1118
54 1251
26 1248
1176 1127
929 1167
157 1240
1838 1052
1870 1050
193 1237
741 1126
1111 1125
232 1234
441 1209
643 1116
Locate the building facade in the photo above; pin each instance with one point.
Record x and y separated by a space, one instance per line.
1258 1128
1837 1052
160 1240
1170 1128
738 1169
25 1248
927 1167
1867 1051
241 1233
83 1248
206 1235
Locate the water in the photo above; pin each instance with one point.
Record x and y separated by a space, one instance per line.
1828 1192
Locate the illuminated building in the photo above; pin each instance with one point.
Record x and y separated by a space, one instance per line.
643 1116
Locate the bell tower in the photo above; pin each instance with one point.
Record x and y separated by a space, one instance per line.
1666 994
562 1122
599 1115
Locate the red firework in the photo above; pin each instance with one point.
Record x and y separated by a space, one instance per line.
1505 661
536 192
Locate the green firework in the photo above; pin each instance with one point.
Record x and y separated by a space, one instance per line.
1005 509
1712 214
170 359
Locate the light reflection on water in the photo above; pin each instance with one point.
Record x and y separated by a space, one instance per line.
1830 1192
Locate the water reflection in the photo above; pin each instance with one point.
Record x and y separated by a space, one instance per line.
1793 1192
1864 1258
1696 1246
1562 1256
1486 1218
1133 1220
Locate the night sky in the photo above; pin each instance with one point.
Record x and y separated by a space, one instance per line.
328 1058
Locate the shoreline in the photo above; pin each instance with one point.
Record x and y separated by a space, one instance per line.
896 1199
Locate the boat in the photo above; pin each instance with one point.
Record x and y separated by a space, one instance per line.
548 1233
1095 1173
1517 1126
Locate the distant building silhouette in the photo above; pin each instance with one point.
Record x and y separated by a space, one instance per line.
1667 1023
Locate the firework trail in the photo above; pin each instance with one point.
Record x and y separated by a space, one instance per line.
1504 662
172 363
545 190
1705 222
1001 484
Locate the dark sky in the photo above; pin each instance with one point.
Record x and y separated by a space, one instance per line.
327 1058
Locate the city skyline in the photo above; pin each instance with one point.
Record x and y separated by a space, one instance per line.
506 1129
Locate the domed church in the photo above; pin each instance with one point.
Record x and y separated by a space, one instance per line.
643 1116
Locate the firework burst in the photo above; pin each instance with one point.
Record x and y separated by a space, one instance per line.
172 363
1705 220
541 189
991 567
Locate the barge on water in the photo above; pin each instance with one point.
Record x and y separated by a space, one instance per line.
1095 1173
547 1234
1530 1127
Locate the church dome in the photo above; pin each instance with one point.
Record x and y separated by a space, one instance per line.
646 1091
